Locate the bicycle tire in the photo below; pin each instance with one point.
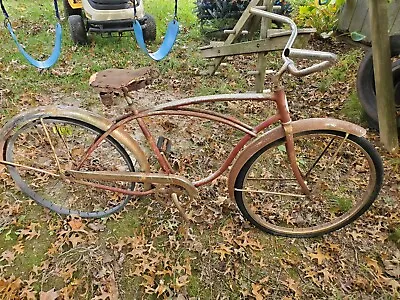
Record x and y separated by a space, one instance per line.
357 182
70 138
366 83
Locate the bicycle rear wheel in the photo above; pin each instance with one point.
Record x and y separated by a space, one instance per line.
343 172
51 145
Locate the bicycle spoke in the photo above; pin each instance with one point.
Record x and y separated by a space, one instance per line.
331 162
272 179
341 174
64 142
28 168
51 145
270 193
319 158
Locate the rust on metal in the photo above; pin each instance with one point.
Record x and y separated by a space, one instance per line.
239 146
113 82
153 145
74 113
114 189
119 122
154 178
278 133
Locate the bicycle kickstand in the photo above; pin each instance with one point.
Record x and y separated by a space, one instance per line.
174 197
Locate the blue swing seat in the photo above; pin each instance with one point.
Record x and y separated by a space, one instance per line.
54 55
167 44
57 45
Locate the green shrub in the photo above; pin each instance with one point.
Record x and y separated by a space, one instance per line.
321 17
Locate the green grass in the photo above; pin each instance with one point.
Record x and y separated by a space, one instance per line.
352 109
395 236
347 61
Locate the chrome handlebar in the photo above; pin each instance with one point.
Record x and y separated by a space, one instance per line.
327 58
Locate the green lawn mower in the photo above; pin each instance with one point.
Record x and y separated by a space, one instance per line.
107 17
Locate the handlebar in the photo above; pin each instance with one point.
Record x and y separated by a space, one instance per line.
327 58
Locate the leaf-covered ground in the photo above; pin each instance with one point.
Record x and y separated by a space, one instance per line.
148 252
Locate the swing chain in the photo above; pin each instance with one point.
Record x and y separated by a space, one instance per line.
176 10
134 9
4 10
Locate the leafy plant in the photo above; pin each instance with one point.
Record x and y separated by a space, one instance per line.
321 17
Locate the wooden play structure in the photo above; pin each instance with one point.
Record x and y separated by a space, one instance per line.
354 16
248 24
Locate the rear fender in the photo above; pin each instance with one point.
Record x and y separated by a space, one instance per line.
278 133
102 123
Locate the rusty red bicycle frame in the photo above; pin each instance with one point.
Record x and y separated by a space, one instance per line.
180 108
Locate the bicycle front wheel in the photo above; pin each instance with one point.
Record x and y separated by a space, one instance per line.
43 149
343 172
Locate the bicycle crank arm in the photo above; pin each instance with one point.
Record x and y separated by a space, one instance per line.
136 177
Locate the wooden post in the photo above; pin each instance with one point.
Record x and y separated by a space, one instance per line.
261 60
383 74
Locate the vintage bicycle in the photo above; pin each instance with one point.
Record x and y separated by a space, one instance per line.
301 178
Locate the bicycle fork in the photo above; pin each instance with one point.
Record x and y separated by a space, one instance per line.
286 122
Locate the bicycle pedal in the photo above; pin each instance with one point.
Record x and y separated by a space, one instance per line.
164 144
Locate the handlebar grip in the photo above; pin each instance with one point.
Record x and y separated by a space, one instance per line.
328 59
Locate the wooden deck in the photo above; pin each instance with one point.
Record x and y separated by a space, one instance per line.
354 16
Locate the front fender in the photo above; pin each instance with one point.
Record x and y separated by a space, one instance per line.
78 114
278 133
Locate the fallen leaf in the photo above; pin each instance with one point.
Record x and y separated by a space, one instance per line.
8 256
49 295
319 256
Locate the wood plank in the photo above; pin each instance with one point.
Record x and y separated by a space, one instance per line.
366 28
250 47
240 25
383 74
256 46
261 59
395 27
393 13
360 16
346 15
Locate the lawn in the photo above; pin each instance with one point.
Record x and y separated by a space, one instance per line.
147 251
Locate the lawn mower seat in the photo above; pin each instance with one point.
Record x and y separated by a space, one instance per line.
110 4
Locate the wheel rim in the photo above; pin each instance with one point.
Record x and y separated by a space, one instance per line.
45 189
291 216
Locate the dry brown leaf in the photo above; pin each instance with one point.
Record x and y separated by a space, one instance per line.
30 232
255 290
374 265
49 295
181 282
294 286
8 256
10 288
319 256
19 248
76 224
28 293
75 239
67 272
392 266
328 277
223 251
